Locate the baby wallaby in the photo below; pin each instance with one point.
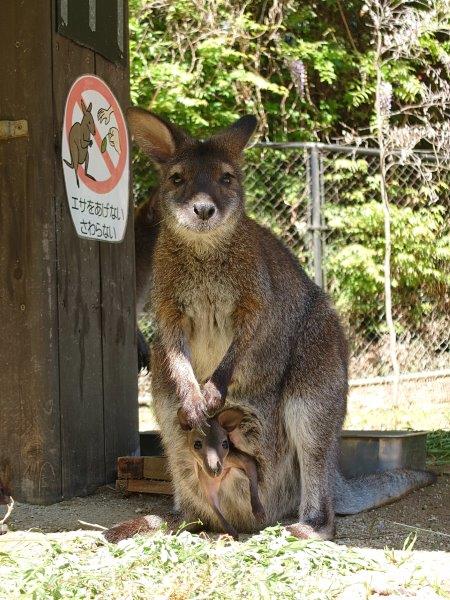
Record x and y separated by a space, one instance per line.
215 455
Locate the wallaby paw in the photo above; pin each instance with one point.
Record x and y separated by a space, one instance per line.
231 533
195 413
306 532
213 397
123 531
260 515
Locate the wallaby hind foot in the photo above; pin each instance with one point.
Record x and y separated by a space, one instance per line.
148 524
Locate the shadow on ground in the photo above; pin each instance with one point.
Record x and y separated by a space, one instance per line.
427 512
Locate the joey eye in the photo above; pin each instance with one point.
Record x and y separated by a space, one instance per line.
197 444
177 179
226 178
225 444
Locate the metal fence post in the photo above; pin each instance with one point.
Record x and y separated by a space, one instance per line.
316 214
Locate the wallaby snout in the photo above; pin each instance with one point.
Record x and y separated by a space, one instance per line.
204 210
213 464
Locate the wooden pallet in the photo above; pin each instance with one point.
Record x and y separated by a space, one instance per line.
143 474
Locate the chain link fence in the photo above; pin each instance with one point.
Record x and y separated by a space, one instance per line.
324 202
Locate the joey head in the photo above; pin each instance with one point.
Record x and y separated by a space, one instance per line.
215 456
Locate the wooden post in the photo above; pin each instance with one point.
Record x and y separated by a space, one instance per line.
68 380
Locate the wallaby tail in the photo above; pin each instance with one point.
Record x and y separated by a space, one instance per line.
369 491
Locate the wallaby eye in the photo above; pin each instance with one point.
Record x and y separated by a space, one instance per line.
197 444
225 444
226 178
177 179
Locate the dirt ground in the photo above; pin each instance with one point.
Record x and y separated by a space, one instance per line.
426 512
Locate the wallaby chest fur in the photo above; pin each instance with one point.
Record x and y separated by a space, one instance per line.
206 286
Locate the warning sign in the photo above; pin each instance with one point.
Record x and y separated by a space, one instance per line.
95 157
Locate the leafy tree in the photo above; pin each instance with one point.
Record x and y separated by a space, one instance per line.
307 70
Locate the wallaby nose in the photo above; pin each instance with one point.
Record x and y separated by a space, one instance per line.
204 210
213 466
217 470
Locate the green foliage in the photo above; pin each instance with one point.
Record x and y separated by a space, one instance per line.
438 447
420 249
272 564
203 63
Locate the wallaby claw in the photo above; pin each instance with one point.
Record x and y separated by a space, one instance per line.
196 415
213 397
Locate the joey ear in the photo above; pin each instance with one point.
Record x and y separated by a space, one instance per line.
154 136
235 137
182 418
230 419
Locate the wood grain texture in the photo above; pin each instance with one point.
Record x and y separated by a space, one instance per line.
119 315
156 467
130 467
29 431
67 345
143 467
79 310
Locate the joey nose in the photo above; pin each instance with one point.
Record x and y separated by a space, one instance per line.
217 470
204 210
213 467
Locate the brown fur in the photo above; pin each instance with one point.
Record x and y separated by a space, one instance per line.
215 455
239 321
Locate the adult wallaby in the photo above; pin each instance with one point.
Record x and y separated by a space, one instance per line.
80 141
238 320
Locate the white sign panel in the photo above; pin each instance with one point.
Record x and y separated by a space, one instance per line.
95 157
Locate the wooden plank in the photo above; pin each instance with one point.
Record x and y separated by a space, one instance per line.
156 467
79 307
119 313
130 467
149 486
29 433
121 486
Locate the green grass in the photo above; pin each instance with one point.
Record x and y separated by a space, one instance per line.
438 447
269 565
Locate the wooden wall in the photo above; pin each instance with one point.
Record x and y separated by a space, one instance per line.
68 369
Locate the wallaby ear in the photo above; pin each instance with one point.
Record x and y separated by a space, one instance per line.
153 135
89 108
235 137
230 419
83 106
182 418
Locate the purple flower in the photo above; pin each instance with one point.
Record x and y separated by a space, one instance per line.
299 76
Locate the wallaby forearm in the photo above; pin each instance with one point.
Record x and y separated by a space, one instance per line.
246 318
183 375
